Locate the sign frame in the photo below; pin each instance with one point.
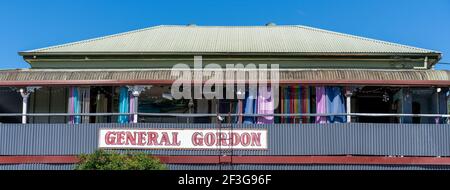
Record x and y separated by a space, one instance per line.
178 148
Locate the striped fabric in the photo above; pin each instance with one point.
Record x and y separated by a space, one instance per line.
295 99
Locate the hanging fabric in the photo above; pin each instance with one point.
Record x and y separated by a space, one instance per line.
123 104
287 103
298 103
305 103
335 105
132 107
321 104
79 102
294 100
70 106
250 106
281 106
76 105
265 106
101 107
236 111
85 99
293 103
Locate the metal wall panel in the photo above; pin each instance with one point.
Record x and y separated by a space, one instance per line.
304 167
241 167
37 166
284 139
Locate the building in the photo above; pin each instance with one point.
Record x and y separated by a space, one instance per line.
345 102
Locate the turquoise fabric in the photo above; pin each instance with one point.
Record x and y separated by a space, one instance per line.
250 107
123 104
76 105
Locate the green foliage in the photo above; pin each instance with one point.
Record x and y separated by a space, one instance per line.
107 160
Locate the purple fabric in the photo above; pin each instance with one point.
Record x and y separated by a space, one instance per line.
265 105
71 105
131 118
321 106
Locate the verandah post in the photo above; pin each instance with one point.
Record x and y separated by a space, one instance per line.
25 93
135 92
348 95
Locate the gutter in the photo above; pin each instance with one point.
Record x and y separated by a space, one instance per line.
435 54
433 57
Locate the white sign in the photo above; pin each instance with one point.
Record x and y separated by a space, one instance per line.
183 139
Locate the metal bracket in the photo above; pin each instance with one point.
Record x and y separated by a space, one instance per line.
25 92
137 90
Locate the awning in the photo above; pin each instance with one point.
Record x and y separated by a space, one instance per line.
51 77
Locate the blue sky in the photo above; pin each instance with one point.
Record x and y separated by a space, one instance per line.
30 24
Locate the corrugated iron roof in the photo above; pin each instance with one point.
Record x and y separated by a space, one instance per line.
298 75
232 39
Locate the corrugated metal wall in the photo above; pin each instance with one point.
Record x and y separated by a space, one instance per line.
37 166
242 167
284 139
304 167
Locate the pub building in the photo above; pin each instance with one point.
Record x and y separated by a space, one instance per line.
343 101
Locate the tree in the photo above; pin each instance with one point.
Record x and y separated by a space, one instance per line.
107 160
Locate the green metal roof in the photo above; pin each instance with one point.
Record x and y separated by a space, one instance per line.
231 40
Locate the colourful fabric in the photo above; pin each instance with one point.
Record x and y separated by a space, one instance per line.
335 104
293 103
236 111
287 103
76 105
101 107
84 102
321 104
131 117
249 107
123 104
71 105
295 99
79 102
265 106
282 104
306 103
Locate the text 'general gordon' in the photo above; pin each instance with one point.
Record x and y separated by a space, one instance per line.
182 139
